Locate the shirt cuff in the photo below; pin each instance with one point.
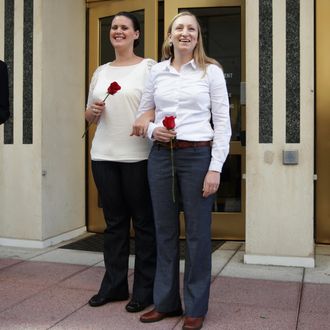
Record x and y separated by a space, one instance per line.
151 128
215 165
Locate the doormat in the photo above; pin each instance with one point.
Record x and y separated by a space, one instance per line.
94 243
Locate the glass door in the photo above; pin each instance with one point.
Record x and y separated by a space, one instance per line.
222 23
100 15
223 32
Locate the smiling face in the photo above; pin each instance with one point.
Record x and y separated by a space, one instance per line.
122 33
184 34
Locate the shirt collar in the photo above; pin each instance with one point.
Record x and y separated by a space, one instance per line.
191 63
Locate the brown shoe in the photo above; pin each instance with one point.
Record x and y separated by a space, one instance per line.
193 323
155 316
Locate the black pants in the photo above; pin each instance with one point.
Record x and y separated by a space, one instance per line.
124 193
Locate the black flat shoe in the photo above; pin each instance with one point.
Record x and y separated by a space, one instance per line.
98 300
134 306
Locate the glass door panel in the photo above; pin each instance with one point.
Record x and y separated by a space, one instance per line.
100 15
223 37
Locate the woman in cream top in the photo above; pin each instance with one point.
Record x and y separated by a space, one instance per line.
112 140
119 166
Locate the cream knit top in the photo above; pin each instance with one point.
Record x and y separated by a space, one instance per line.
112 140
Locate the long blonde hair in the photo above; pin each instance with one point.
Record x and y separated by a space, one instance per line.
198 54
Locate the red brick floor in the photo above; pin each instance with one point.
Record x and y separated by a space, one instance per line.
43 294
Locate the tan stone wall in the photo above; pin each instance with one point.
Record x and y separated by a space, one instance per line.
42 185
279 205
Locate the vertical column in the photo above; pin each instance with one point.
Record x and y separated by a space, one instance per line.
28 73
292 71
265 72
280 74
9 59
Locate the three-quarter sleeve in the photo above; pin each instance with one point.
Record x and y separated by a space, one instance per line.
92 86
147 101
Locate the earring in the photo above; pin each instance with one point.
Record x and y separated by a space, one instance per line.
170 43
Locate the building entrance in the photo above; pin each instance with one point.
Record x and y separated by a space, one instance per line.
223 25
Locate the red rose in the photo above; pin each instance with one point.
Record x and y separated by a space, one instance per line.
113 88
169 122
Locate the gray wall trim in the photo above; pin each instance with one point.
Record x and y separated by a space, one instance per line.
265 71
9 59
292 71
28 73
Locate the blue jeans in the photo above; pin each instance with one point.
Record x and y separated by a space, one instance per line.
191 166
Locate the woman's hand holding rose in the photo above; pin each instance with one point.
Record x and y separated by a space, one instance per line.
162 134
94 112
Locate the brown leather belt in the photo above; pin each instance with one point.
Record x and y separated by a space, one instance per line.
181 144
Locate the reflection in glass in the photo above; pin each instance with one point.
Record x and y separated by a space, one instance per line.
221 29
160 29
228 198
229 195
107 53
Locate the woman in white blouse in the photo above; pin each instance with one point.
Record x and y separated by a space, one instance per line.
119 166
190 87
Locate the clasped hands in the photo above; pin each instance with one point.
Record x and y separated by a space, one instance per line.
141 124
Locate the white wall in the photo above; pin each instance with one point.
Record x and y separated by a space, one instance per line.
20 180
279 205
36 209
63 105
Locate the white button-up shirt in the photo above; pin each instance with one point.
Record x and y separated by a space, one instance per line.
193 98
